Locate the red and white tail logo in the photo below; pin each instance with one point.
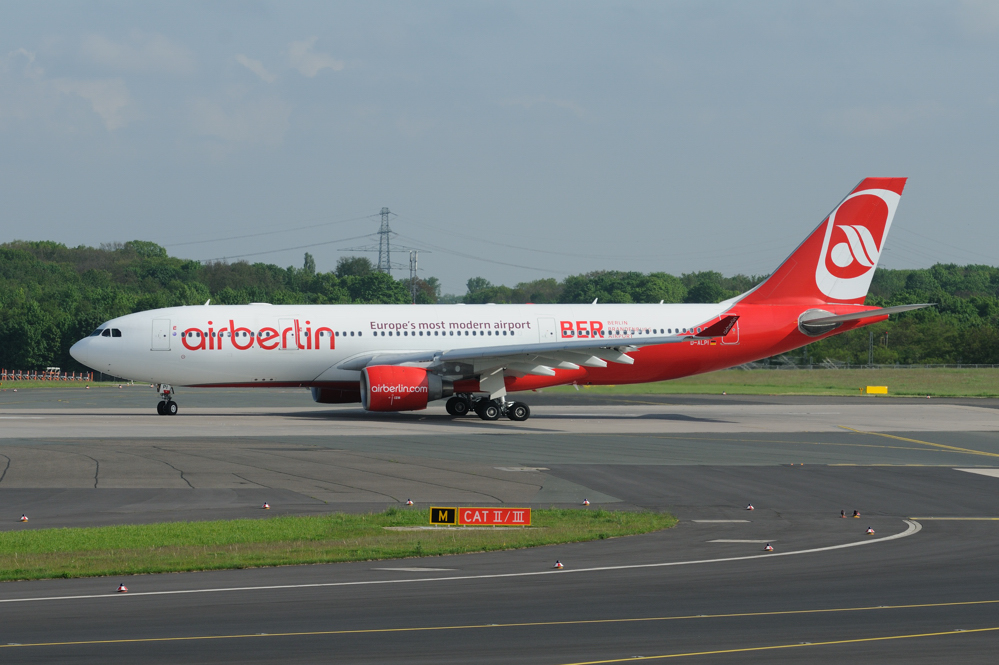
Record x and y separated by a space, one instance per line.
837 261
854 235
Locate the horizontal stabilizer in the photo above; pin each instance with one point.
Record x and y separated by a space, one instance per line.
856 316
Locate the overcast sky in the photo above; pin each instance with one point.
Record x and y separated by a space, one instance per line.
512 140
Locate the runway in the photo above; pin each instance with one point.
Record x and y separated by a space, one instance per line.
924 588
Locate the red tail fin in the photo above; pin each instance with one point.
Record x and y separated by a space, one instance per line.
836 262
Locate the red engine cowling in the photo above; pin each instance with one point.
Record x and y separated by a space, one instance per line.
393 388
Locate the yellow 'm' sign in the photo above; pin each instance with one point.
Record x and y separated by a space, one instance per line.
443 515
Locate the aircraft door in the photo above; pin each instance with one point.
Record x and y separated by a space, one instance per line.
161 335
733 335
547 332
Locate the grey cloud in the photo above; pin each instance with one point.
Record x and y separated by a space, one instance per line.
256 67
309 63
262 121
140 53
108 97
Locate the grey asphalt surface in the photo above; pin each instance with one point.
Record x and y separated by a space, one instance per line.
900 600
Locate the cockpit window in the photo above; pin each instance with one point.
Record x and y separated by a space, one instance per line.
106 333
115 332
97 333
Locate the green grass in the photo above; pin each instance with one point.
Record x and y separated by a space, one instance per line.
918 382
80 385
186 546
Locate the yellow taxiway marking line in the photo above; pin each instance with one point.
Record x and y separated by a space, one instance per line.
955 449
695 437
417 629
631 659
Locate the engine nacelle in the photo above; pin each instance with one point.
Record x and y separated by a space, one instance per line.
394 388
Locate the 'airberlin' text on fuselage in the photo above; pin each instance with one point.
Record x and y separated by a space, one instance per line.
295 336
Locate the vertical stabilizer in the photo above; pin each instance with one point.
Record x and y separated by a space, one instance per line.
836 263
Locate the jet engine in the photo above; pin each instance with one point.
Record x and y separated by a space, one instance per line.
394 388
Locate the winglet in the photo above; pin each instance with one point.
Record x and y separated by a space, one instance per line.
720 329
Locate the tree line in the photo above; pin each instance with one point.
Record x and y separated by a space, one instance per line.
52 295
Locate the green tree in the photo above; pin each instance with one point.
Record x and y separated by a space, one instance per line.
354 266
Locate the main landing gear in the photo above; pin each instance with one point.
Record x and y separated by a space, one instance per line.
487 409
166 407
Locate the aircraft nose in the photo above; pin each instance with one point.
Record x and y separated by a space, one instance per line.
79 352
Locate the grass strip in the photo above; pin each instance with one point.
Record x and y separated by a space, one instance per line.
81 385
917 382
278 541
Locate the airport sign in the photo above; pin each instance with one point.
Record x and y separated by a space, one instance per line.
466 516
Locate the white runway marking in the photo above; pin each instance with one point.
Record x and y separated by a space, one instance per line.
913 528
982 472
521 468
726 540
416 570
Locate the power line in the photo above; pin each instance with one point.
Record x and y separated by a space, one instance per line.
632 257
478 258
384 248
937 242
286 249
267 233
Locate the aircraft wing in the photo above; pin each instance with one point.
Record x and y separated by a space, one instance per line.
539 358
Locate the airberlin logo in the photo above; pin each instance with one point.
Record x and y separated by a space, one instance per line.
398 388
855 232
289 334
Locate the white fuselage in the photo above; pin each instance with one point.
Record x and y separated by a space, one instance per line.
267 344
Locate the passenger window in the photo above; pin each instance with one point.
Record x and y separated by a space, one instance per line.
351 333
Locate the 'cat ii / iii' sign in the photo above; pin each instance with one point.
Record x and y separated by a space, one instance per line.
481 516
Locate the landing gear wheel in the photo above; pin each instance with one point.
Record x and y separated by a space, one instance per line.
171 408
457 406
488 410
161 408
518 411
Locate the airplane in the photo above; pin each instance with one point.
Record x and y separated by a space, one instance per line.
403 357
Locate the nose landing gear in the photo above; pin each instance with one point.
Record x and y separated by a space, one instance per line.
166 407
487 409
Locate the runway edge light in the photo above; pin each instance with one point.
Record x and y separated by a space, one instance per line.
558 564
750 507
122 588
769 548
24 518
